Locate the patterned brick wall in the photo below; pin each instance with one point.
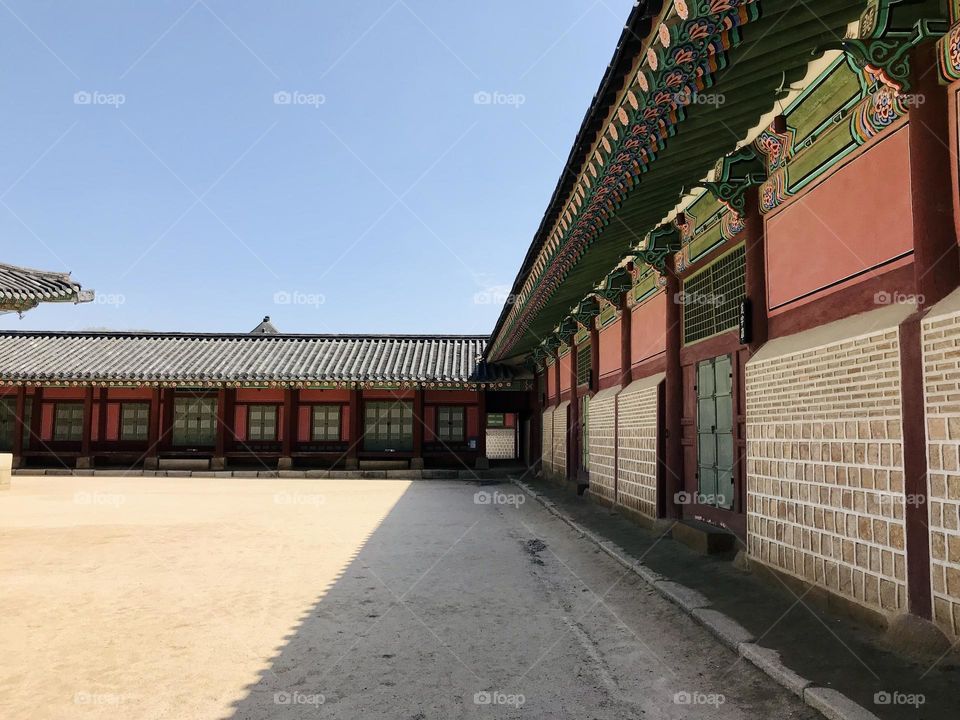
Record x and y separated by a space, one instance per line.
825 494
637 446
560 440
941 362
546 444
600 431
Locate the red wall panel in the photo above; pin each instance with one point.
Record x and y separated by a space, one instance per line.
610 349
648 329
565 372
856 219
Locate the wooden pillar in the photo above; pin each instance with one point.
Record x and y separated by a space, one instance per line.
166 428
537 401
936 258
36 418
594 358
482 461
755 270
673 398
153 431
416 463
626 340
85 461
573 428
18 428
219 461
102 417
556 378
936 273
356 430
291 422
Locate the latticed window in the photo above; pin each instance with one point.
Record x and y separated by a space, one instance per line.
262 422
712 297
134 421
68 422
388 426
584 363
8 421
194 421
451 423
325 422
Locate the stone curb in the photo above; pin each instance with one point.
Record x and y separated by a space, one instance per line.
830 703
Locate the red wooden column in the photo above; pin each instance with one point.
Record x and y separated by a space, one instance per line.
102 417
416 462
36 417
85 461
573 428
536 421
626 339
166 428
18 426
755 270
673 397
594 357
291 421
356 430
153 431
482 462
936 274
936 259
219 461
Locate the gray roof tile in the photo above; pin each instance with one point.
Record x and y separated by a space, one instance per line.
24 288
153 357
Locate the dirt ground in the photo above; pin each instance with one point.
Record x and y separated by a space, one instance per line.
241 599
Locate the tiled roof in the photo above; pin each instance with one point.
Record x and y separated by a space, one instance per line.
152 357
23 288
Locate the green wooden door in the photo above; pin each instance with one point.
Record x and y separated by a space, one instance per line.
715 445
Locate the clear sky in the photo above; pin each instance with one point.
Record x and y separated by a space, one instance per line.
342 166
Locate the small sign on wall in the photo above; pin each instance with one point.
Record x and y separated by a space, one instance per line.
746 321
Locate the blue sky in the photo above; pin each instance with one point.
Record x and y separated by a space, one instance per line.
371 166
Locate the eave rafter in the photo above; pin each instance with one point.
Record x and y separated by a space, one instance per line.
684 52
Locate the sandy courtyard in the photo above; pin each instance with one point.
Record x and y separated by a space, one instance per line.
201 599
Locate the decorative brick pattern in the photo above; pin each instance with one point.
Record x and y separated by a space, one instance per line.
825 487
546 444
601 421
501 443
637 450
941 365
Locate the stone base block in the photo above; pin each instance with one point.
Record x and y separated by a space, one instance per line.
285 463
483 463
218 463
416 463
84 463
703 538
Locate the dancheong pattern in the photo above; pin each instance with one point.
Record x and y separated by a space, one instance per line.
691 47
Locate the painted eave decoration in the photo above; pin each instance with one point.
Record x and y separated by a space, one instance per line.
709 70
